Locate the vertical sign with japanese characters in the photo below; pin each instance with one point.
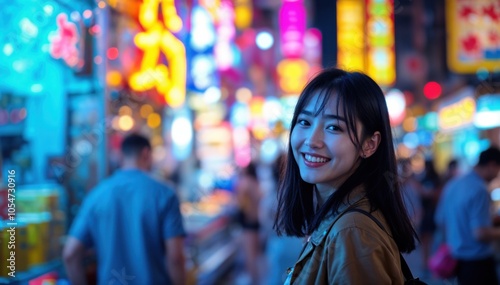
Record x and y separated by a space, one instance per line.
473 30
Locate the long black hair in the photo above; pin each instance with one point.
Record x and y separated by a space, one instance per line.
360 99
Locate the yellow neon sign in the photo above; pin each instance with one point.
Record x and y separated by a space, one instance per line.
457 114
351 34
292 75
170 81
244 14
381 61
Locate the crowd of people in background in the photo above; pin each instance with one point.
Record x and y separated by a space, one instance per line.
266 255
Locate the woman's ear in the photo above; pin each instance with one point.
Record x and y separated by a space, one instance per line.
370 145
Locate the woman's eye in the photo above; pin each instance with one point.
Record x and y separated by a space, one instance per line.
303 122
334 128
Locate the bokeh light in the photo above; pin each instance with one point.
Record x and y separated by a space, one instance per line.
8 49
97 59
396 104
145 110
243 95
112 53
432 90
264 40
87 14
125 110
154 120
113 78
126 123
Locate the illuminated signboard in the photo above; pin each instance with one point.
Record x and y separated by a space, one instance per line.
224 50
488 111
473 41
457 113
380 62
292 75
214 146
64 41
200 51
351 34
292 22
158 38
244 14
367 45
292 70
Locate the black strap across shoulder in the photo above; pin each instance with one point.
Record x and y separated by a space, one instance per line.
404 266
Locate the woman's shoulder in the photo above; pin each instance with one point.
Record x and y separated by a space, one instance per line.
357 223
361 236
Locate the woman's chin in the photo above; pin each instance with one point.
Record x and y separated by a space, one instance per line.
310 180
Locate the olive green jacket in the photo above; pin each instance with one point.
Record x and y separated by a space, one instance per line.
354 251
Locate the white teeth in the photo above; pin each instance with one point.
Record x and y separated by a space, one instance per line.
314 158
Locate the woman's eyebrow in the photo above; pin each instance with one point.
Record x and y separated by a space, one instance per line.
328 116
334 117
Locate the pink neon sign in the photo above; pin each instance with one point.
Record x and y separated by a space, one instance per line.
63 43
226 31
292 21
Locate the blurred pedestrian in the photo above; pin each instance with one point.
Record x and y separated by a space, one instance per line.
281 251
452 171
248 195
409 189
134 224
341 161
430 184
464 213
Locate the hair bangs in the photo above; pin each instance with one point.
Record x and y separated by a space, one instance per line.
348 105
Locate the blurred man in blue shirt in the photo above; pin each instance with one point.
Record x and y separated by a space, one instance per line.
134 224
464 213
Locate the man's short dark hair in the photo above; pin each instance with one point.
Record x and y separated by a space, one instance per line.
452 164
492 154
133 144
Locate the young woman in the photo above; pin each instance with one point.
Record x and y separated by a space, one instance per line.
341 157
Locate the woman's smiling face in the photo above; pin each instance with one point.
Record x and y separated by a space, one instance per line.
324 151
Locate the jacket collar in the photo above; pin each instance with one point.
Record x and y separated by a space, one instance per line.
355 198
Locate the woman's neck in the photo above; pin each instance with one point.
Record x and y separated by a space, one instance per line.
322 194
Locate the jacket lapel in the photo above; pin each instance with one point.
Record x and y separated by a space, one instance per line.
326 225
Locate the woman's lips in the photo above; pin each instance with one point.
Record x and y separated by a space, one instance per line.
314 161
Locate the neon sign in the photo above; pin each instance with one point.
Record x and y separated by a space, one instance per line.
292 75
457 114
224 54
292 21
63 43
202 38
381 62
350 34
158 37
367 45
243 11
473 33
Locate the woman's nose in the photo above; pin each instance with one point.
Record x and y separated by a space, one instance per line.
315 140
